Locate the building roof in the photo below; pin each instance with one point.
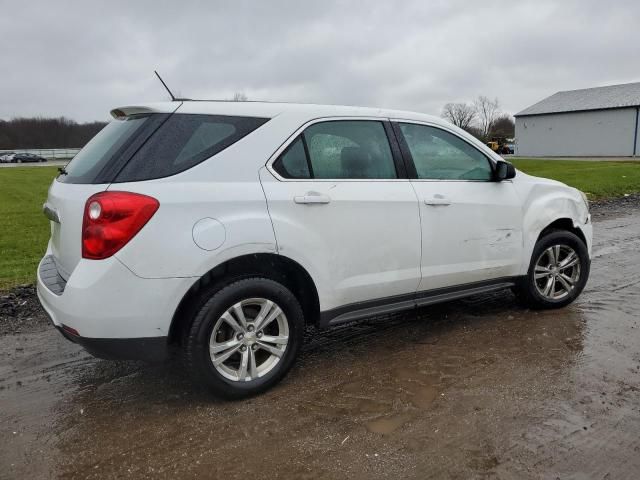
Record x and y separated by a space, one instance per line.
598 98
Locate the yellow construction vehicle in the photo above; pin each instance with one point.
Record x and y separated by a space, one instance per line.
493 146
501 145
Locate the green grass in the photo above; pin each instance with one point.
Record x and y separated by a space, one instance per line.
24 230
598 179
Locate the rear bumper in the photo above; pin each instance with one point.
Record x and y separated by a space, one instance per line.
154 349
115 313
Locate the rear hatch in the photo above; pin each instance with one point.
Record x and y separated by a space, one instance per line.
140 144
91 171
66 204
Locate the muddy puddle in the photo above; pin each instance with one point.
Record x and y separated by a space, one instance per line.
479 388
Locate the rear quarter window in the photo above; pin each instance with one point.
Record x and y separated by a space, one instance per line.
184 141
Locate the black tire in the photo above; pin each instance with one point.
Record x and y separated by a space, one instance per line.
526 290
214 304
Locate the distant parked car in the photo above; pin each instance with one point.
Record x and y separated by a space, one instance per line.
7 157
507 149
27 157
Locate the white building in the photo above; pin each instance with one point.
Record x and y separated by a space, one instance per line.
601 121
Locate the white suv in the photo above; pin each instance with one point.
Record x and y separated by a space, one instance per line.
226 227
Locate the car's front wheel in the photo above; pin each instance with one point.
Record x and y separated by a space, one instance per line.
558 271
244 338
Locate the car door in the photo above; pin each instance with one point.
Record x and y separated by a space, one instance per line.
471 224
342 207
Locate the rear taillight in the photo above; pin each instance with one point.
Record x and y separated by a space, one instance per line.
111 219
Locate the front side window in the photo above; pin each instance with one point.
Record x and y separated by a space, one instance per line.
438 154
342 149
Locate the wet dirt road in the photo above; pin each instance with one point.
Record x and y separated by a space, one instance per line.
474 389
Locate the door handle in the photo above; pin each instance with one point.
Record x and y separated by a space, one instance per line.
312 198
437 201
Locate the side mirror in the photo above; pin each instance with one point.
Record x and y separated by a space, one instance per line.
504 171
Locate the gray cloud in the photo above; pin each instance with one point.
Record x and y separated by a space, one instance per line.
80 59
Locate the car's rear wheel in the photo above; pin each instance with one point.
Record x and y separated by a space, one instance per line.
244 338
558 271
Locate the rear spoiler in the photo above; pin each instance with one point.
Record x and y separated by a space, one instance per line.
165 107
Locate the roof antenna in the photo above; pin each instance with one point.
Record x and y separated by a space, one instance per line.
173 99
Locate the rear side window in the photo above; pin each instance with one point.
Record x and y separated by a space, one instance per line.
341 149
293 162
184 141
349 149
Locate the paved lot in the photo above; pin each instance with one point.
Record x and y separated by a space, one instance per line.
473 389
48 163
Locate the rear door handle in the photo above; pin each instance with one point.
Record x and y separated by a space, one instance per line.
437 201
312 197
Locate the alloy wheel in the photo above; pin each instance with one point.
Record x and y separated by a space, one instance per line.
557 272
249 339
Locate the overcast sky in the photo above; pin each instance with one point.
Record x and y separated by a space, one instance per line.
81 59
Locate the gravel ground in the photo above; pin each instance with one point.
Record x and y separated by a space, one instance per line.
20 311
615 206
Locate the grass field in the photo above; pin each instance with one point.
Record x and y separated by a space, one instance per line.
597 179
24 230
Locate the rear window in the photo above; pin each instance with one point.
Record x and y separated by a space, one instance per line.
102 150
145 147
183 141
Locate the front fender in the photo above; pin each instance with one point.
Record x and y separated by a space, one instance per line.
545 203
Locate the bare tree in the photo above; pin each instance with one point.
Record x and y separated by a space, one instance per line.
460 114
487 112
240 97
475 131
503 126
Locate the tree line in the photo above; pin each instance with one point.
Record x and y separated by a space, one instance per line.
46 133
482 118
